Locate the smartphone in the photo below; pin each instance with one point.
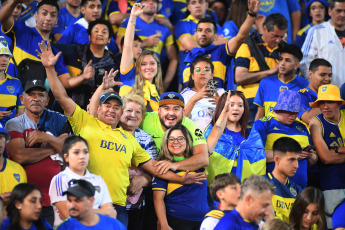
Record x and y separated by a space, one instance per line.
308 148
11 108
212 84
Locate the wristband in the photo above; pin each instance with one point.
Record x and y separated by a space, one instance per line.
251 14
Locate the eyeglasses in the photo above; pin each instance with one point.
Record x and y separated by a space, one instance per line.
206 69
178 139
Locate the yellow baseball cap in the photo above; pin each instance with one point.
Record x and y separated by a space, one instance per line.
328 93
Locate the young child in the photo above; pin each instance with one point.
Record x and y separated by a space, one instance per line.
226 189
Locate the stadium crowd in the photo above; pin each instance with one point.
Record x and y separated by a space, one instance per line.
172 114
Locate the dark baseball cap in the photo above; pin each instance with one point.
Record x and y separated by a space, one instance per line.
34 84
108 96
80 188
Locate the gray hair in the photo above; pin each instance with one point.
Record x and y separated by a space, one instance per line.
257 184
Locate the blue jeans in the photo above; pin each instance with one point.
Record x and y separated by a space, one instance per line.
122 214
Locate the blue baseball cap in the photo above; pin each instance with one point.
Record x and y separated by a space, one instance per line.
290 101
7 136
171 98
108 96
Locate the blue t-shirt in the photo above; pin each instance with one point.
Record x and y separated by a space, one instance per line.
186 202
338 219
65 19
234 221
284 7
307 96
127 77
105 223
6 224
271 129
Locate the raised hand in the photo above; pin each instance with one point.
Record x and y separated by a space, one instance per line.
253 6
137 9
109 79
48 59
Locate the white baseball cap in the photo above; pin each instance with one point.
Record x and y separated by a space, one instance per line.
4 47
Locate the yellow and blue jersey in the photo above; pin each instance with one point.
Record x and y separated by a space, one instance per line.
25 45
332 176
245 59
10 91
271 129
234 220
307 96
127 77
186 202
11 174
186 27
302 34
221 58
271 86
145 30
65 19
284 198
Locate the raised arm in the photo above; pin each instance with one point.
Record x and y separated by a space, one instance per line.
235 42
6 11
48 60
127 52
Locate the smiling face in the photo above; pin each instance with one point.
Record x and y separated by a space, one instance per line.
110 112
46 18
202 74
177 143
170 115
30 208
99 35
321 76
310 216
132 116
317 12
4 60
92 10
35 101
329 109
148 68
236 109
78 157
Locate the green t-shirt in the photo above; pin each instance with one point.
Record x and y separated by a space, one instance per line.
152 125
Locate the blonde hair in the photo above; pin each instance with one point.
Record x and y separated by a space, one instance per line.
275 224
139 79
165 153
132 97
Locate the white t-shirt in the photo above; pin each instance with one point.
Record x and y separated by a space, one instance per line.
203 110
59 184
209 223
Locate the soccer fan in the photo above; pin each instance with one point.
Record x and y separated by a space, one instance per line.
327 41
185 29
282 122
320 73
10 89
226 189
258 58
80 200
77 32
68 15
338 217
326 130
290 9
254 205
76 156
317 13
286 152
36 138
30 8
221 55
155 36
11 173
286 79
103 136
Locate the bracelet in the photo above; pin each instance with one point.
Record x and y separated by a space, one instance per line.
251 14
132 22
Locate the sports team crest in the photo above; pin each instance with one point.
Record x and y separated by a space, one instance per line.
10 89
293 191
324 88
16 176
267 5
3 41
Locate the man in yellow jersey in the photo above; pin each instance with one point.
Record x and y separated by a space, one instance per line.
112 150
258 57
11 173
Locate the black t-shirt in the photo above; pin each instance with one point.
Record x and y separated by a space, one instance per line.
341 35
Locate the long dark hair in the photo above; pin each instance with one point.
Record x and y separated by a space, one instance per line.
67 145
308 196
18 194
245 116
236 12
